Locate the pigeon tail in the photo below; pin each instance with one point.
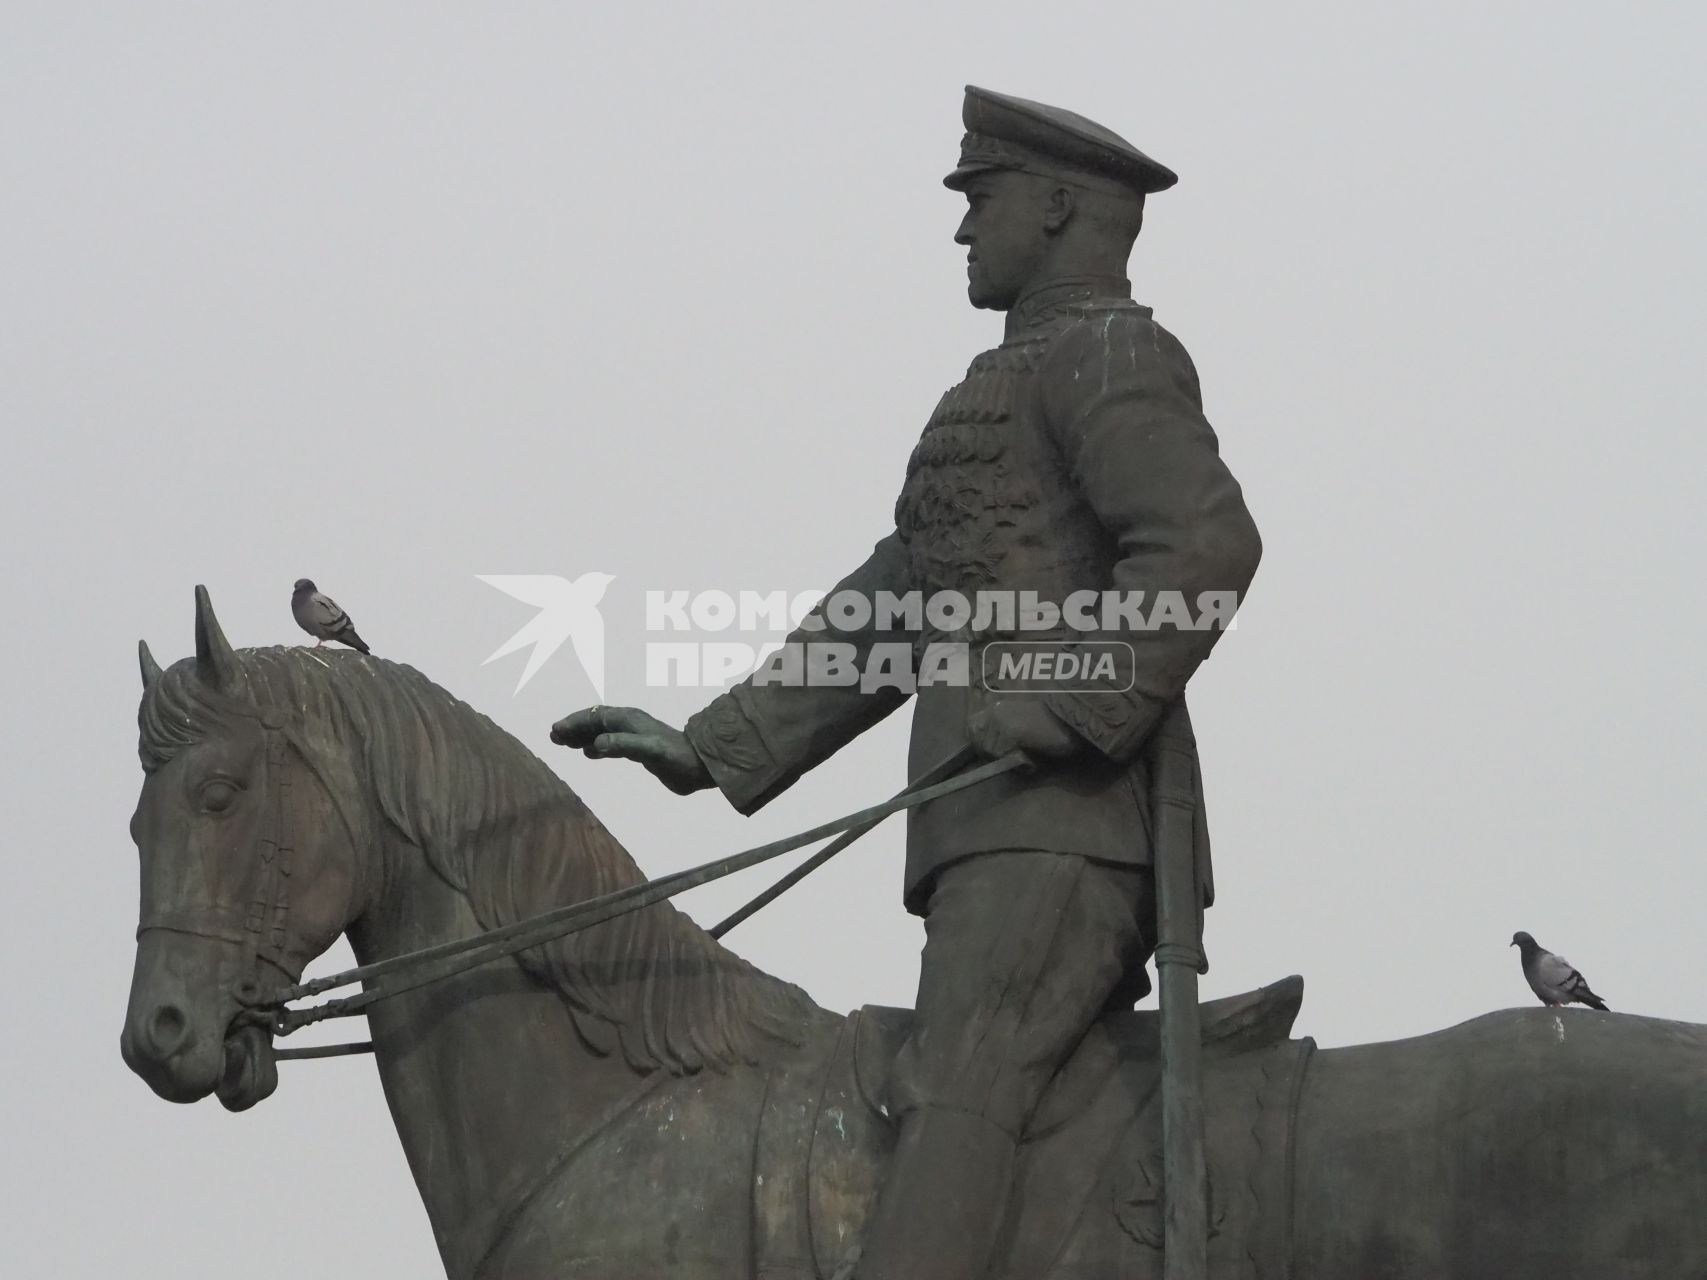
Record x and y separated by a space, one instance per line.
347 635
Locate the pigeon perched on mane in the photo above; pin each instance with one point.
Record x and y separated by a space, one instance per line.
320 616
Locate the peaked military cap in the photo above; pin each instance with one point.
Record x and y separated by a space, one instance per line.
1004 132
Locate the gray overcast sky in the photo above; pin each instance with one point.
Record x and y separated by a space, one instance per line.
392 295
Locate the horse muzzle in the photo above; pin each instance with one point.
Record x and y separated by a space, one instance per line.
185 1036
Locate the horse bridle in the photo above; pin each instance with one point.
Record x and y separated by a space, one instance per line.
261 928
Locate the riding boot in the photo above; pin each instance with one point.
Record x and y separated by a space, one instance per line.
943 1202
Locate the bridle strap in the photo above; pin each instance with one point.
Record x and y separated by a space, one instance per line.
269 910
261 930
222 926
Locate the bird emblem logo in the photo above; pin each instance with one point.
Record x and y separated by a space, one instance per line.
568 610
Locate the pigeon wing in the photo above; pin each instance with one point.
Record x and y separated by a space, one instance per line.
1577 988
338 624
1557 979
1555 972
326 613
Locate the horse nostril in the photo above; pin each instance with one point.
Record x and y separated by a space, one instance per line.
166 1031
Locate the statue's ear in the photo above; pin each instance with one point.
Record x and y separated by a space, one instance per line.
1060 208
216 664
150 668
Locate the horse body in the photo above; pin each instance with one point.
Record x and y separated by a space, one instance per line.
1528 1144
636 1103
793 1154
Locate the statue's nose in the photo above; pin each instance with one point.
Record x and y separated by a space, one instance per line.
163 1032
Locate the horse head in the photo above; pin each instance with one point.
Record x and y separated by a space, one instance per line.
248 872
288 790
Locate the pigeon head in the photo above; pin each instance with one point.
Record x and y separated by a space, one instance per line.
1521 939
305 584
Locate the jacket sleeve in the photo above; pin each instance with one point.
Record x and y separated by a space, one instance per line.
1121 400
759 737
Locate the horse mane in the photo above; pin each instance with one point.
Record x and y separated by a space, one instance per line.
504 830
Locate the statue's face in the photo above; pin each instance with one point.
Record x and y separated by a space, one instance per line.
1005 235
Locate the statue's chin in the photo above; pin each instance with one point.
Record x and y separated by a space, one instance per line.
251 1071
185 1077
985 298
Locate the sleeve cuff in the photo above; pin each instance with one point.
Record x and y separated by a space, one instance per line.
726 738
1116 724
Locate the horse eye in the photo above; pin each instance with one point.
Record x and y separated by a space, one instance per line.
217 795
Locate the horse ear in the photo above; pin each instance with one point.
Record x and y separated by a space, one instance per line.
215 662
150 668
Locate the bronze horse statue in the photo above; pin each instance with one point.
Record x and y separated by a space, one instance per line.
635 1102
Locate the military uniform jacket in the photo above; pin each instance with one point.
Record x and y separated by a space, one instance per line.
1074 456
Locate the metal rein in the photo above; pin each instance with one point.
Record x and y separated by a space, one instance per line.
429 965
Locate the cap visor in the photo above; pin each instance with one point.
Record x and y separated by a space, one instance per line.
957 180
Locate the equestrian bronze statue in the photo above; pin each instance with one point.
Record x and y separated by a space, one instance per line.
586 1083
635 1102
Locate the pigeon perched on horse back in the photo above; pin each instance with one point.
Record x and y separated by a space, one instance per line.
320 616
1551 977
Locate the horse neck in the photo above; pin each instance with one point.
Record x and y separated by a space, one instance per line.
489 1083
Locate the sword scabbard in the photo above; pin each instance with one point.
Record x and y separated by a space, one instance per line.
1179 959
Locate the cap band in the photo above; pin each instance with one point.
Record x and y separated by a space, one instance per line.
982 151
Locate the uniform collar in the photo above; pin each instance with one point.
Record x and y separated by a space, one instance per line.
1049 299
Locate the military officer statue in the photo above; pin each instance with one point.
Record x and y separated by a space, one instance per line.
1073 460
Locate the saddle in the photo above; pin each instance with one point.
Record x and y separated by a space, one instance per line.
1086 1198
